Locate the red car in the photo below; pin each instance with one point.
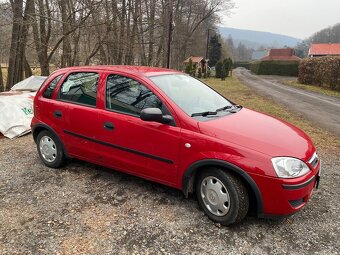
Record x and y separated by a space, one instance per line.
168 127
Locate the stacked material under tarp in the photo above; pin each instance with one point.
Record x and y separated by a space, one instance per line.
16 113
32 83
16 107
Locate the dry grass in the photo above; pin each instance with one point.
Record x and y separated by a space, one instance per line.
233 89
313 88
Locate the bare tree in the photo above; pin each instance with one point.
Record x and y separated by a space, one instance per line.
75 32
17 58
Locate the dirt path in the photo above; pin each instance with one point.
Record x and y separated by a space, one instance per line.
321 109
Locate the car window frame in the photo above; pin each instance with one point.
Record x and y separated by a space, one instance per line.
78 103
61 75
173 123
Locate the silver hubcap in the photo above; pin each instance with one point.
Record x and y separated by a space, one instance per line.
48 149
215 196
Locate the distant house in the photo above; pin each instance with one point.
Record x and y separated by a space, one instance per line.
258 54
198 63
281 54
324 49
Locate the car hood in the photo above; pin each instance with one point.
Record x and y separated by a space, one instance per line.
261 133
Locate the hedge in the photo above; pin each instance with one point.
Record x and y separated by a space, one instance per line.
275 67
244 64
323 72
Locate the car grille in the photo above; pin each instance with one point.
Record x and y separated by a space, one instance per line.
314 160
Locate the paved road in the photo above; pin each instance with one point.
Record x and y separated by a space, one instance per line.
321 109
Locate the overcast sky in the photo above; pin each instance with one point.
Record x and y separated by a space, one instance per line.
297 18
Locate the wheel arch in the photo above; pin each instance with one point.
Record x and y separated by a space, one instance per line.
189 176
36 129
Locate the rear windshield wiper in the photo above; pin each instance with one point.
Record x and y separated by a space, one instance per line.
203 113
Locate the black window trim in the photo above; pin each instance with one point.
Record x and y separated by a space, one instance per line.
131 114
60 79
73 102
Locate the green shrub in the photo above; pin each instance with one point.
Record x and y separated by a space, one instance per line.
275 67
218 69
323 72
199 75
227 65
189 67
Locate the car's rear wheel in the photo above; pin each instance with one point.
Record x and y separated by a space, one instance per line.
50 150
222 196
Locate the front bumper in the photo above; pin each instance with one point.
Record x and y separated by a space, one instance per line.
282 197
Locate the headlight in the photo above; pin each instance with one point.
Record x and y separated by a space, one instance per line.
286 167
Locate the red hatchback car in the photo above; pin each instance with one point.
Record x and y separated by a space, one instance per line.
168 127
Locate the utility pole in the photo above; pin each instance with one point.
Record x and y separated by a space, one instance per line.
207 50
169 32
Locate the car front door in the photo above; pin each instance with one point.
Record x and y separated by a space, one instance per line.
146 149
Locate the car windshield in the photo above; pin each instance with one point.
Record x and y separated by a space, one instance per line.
192 96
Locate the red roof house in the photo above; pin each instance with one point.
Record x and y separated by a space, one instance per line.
324 49
198 62
281 54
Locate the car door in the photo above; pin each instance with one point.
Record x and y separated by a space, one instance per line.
48 109
79 93
147 149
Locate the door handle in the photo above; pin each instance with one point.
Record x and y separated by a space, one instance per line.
57 114
109 126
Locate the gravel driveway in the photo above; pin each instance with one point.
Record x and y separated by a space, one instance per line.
86 209
321 109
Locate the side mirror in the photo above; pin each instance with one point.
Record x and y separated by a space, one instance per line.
155 114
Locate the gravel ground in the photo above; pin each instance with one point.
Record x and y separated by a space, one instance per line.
87 209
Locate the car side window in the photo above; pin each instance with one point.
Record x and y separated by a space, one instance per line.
80 88
129 96
50 88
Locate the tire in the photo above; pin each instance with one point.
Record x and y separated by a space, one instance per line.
50 150
222 196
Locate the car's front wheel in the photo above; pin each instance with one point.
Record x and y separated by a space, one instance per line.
50 150
222 196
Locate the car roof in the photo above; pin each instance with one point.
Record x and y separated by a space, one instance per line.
139 70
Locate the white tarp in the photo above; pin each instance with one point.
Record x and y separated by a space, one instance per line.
32 83
16 113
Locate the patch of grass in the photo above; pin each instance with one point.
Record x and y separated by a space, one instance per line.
313 88
234 90
35 71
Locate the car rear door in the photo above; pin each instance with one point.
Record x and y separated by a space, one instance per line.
78 93
147 149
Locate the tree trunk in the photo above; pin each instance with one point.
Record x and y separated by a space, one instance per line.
17 6
151 32
42 35
66 57
2 87
27 68
19 41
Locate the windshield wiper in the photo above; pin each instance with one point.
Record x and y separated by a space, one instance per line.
224 108
231 108
203 113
